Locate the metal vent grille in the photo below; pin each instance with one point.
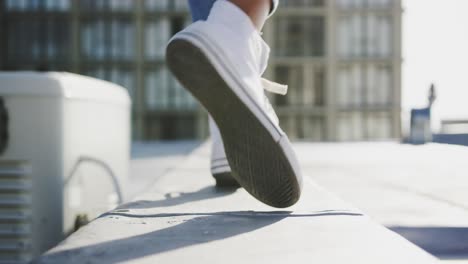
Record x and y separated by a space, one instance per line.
15 212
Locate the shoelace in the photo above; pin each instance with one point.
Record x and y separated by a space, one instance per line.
276 88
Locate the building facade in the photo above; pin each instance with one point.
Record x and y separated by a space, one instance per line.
341 59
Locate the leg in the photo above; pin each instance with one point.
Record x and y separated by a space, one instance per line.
221 61
219 164
200 9
257 10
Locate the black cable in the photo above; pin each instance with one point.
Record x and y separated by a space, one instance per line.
102 164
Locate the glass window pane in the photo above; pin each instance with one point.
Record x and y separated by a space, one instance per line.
350 3
301 126
379 85
170 127
157 5
156 36
315 94
350 126
123 78
343 86
164 92
365 36
379 126
92 4
299 36
384 36
156 89
350 86
57 5
98 73
128 34
121 5
177 24
364 3
306 85
359 85
293 76
179 97
37 43
302 3
311 129
180 4
111 38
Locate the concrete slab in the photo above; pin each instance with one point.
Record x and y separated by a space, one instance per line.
183 218
152 160
418 191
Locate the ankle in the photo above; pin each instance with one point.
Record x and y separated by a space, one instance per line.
257 10
227 13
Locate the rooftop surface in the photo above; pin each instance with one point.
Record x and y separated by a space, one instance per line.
350 189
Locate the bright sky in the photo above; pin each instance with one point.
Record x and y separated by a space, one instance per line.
435 49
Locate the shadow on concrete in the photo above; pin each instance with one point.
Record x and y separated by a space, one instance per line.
202 229
198 230
441 242
177 198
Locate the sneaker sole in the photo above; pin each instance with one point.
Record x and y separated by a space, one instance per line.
226 180
261 159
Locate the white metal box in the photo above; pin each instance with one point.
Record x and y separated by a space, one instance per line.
66 150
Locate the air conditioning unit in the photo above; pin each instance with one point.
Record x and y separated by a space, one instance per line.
64 157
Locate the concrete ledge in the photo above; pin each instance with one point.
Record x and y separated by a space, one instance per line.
184 219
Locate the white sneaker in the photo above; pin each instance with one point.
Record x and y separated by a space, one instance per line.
220 168
220 61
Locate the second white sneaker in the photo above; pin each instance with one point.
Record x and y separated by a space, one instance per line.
220 168
220 61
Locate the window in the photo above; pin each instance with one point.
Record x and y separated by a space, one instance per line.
177 24
164 5
301 3
125 78
299 36
108 39
121 76
379 85
156 37
180 5
182 99
156 89
358 126
120 5
39 41
379 126
293 76
107 5
157 5
163 92
350 86
365 36
360 85
303 126
350 126
35 5
21 44
167 126
364 3
306 85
